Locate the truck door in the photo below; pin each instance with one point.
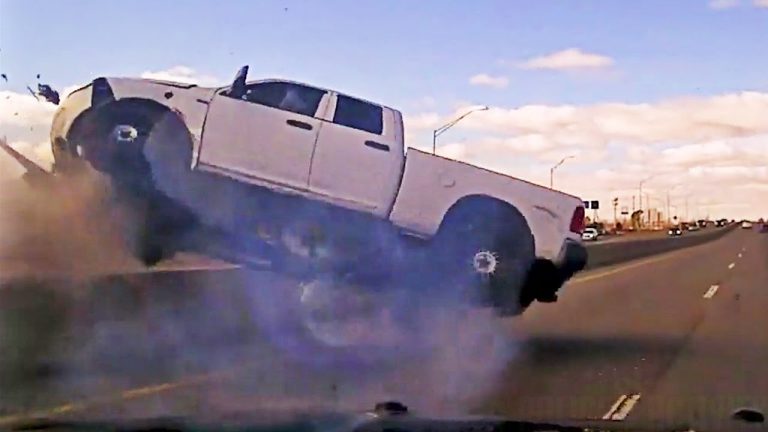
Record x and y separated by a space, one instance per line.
359 156
268 134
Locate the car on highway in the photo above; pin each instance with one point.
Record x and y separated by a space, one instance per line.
721 223
600 227
746 224
282 171
693 226
675 231
590 234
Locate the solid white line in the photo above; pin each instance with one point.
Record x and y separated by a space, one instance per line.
620 410
614 407
711 292
731 266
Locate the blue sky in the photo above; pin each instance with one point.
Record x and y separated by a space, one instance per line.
394 50
419 56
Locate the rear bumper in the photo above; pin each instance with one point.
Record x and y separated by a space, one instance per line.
573 259
547 277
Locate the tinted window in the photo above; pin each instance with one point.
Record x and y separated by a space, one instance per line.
357 114
295 98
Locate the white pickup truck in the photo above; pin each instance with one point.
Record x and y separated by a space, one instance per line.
313 178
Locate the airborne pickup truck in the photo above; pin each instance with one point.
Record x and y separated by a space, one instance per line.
309 178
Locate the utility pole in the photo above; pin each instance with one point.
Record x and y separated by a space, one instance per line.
669 221
633 204
686 208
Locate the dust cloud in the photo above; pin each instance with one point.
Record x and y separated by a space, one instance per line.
78 320
70 229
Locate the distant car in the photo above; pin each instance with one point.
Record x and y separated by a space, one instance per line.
721 223
600 227
590 234
702 223
675 231
693 226
746 225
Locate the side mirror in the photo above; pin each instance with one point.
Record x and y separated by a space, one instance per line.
237 90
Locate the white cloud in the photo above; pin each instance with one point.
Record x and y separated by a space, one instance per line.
183 74
488 80
712 145
23 110
422 121
760 3
723 4
691 120
569 59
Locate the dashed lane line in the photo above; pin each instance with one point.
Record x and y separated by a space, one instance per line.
731 266
711 291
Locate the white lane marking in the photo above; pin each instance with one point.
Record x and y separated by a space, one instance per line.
731 266
614 407
739 254
621 408
711 292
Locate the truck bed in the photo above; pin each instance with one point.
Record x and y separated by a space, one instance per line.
548 212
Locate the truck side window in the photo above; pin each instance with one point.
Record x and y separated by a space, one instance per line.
291 97
357 114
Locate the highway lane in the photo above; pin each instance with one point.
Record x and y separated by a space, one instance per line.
638 328
646 328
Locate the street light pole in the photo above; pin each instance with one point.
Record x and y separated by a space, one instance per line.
439 131
641 192
552 170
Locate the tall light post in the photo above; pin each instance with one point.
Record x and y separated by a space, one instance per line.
552 170
439 131
640 194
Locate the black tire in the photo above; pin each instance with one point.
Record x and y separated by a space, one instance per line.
486 253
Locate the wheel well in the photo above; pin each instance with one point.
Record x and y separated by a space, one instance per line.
90 120
491 210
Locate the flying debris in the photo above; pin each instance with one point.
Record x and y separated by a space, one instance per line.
32 92
5 77
48 93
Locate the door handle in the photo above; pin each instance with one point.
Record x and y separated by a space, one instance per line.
299 124
377 145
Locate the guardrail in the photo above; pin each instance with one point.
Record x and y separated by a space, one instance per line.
601 255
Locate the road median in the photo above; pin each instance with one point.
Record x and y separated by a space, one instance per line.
609 253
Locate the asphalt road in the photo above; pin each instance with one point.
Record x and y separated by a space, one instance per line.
646 328
653 331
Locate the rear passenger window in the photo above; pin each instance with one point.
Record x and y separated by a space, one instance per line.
357 114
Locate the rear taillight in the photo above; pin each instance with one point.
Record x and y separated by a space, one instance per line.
577 221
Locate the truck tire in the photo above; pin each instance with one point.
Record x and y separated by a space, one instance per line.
125 141
487 254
